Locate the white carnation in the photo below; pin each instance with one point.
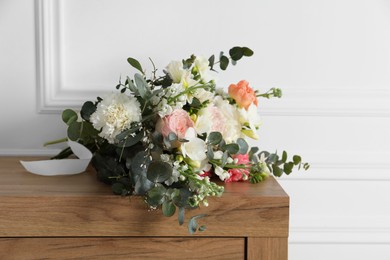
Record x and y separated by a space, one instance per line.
232 125
114 114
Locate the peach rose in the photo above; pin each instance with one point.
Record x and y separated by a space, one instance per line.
177 122
243 94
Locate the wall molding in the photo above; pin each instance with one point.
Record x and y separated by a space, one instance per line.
358 235
53 96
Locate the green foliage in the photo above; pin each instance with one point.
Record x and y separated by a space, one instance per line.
87 110
69 116
135 64
159 171
214 138
193 224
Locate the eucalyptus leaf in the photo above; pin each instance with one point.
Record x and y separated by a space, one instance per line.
131 140
297 159
193 223
142 86
211 61
223 62
276 170
159 171
247 52
74 130
156 195
87 110
131 85
243 145
232 148
180 216
168 208
135 63
69 116
210 153
214 138
236 53
287 167
142 185
284 156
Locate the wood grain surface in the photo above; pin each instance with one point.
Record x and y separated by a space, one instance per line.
80 205
122 248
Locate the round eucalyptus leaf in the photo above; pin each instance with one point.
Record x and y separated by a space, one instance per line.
87 110
214 138
236 53
168 208
243 145
159 171
74 130
69 116
223 62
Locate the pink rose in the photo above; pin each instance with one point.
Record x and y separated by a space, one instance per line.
177 122
239 174
243 94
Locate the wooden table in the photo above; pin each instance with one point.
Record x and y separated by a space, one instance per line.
77 217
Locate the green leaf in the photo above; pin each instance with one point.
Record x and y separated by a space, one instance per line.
193 223
87 110
236 53
131 85
252 152
214 138
202 228
243 145
287 167
297 159
172 137
69 116
180 216
156 195
117 188
168 208
273 158
223 62
276 170
74 130
210 153
133 62
284 156
142 86
131 140
224 159
247 52
142 185
211 62
159 171
232 148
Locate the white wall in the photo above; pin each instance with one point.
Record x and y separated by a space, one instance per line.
331 58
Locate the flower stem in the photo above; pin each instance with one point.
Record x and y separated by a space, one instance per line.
56 141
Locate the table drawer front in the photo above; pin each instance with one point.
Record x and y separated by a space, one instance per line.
122 248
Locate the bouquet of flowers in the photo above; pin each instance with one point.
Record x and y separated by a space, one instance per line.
176 137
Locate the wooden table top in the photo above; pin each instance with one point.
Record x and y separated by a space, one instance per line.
86 201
